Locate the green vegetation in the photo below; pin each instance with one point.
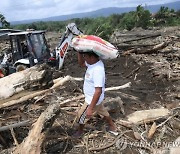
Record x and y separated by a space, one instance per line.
3 22
104 26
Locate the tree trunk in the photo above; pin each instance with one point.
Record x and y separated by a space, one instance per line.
32 144
36 77
142 116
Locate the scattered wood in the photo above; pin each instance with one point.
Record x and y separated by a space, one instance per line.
154 49
124 95
152 131
139 117
161 124
60 82
135 70
141 38
22 99
162 58
125 123
111 144
134 45
19 124
127 85
33 142
14 137
57 84
113 74
137 135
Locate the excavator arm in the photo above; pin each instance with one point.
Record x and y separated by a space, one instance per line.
65 42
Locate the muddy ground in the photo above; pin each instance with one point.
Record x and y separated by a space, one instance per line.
148 91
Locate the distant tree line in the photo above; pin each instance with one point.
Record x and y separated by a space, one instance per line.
105 26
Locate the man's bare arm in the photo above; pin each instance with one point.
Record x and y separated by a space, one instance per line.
81 60
96 96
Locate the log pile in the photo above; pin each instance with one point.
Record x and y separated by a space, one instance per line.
160 47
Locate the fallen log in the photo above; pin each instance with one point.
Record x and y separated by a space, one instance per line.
36 77
57 84
124 123
33 142
127 85
139 117
22 99
27 97
140 35
155 49
141 38
134 45
19 124
151 50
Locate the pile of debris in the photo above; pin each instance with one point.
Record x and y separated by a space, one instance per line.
142 96
159 47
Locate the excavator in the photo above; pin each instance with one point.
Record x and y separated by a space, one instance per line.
65 42
20 57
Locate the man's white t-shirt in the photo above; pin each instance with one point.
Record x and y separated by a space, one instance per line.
94 77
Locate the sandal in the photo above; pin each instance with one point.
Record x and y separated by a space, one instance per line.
115 133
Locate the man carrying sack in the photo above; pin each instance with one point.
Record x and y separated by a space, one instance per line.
93 88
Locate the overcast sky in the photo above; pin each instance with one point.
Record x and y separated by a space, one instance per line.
16 10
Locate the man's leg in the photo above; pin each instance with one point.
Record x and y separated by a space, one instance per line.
102 111
80 129
81 118
111 124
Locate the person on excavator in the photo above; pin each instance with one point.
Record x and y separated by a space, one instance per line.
93 88
24 49
1 72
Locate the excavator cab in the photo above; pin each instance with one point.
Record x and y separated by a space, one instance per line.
25 49
28 48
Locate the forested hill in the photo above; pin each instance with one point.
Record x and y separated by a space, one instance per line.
102 12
